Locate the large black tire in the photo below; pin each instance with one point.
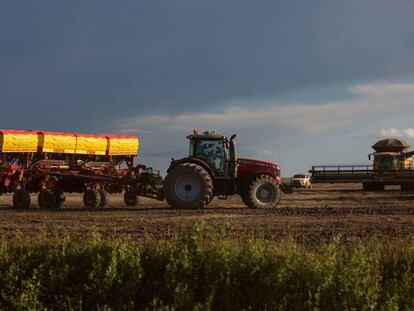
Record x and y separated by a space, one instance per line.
46 199
104 198
92 198
21 199
60 198
130 198
189 186
262 192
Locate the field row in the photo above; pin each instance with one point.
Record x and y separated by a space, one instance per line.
310 216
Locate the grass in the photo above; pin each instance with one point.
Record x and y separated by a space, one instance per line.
209 269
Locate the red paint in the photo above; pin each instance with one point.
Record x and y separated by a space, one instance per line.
251 167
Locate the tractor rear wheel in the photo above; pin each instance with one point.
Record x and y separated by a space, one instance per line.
104 196
189 186
46 199
262 191
130 198
91 198
21 199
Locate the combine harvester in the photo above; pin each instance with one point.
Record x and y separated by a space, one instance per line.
52 163
392 165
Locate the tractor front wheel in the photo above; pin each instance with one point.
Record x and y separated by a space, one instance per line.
263 192
189 186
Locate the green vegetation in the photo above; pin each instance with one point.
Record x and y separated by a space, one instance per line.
207 270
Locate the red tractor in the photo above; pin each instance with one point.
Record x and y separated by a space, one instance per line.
214 169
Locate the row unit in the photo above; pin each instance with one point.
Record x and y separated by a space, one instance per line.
69 143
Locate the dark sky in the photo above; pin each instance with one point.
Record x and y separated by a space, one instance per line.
82 65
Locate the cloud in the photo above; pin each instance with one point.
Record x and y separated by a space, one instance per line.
371 102
295 135
89 62
301 117
396 132
386 132
268 153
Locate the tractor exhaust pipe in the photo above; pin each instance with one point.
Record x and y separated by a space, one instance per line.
232 166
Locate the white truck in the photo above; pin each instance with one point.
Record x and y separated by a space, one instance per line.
301 181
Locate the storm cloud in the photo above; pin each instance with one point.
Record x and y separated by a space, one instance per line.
88 65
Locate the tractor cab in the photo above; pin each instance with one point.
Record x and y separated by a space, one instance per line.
216 150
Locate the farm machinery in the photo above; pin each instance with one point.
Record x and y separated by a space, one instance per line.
54 163
392 165
214 169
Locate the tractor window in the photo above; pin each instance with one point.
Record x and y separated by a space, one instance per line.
213 152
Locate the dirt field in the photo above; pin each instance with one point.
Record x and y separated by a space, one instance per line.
309 215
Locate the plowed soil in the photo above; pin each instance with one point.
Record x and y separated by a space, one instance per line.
308 215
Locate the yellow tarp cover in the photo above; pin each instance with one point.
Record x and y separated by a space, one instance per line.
18 141
69 143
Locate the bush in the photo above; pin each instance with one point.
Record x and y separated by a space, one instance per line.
207 270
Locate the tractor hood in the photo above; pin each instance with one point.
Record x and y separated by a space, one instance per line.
248 166
257 162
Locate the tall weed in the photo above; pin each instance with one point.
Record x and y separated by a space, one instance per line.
209 269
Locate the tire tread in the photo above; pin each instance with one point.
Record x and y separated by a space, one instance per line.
249 194
205 178
104 196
